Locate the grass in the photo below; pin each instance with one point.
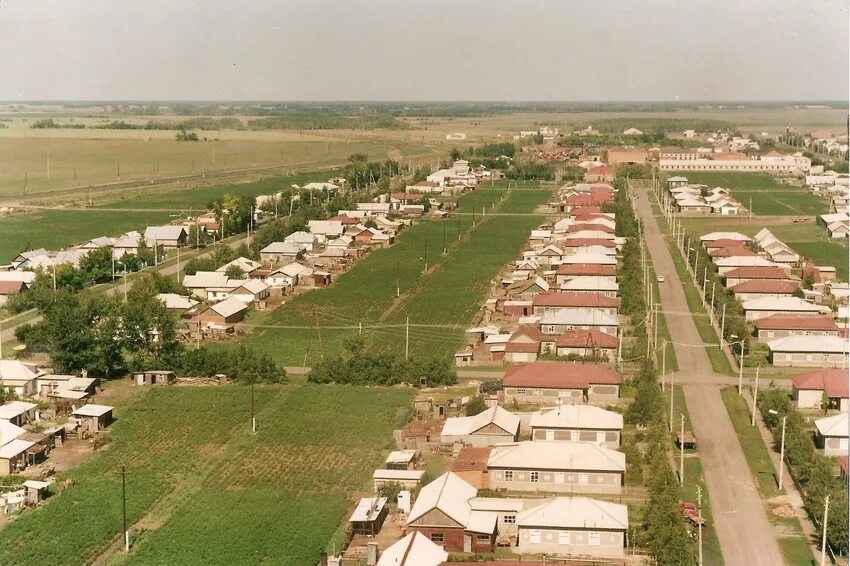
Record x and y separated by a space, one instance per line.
712 553
209 488
366 293
732 179
825 253
781 202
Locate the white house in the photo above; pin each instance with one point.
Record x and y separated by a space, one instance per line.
832 434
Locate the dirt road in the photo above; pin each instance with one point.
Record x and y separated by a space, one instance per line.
745 534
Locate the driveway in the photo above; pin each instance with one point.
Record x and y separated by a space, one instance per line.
745 534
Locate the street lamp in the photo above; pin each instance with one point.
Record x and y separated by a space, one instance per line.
740 362
782 447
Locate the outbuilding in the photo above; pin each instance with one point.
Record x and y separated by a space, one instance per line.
368 517
228 311
93 418
154 377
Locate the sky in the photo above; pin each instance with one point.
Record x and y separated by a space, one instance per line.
419 50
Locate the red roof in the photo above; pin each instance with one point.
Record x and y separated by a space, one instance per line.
832 381
777 286
590 226
844 464
724 243
531 331
344 219
559 375
471 458
587 269
586 339
734 251
9 287
757 272
801 322
582 242
522 348
601 170
573 299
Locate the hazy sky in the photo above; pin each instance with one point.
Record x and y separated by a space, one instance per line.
424 50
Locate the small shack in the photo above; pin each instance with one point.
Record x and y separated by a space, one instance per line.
36 491
227 311
19 413
408 479
368 516
94 418
13 456
155 377
401 459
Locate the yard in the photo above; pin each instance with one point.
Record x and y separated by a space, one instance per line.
367 293
203 487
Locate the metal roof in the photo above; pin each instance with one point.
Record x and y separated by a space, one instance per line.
577 416
576 513
556 455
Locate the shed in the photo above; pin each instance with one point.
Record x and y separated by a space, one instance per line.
94 417
368 516
36 491
19 412
154 377
227 311
408 479
13 456
401 459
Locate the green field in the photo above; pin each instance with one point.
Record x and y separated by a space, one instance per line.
732 179
366 293
825 253
205 488
57 229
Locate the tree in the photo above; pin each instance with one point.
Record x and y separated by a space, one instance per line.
97 265
476 405
234 272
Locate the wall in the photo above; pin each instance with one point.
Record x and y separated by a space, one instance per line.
611 543
611 437
566 481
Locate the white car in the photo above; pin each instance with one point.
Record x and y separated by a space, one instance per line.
660 279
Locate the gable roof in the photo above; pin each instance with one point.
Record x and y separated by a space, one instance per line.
789 304
448 493
156 234
576 513
175 301
579 317
798 322
18 371
559 375
586 339
780 286
577 416
809 344
9 432
556 455
228 307
833 382
587 269
243 263
573 299
415 549
461 426
836 425
757 272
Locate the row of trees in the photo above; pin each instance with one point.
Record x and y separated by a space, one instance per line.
356 366
814 471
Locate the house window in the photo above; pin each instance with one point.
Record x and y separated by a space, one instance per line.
534 536
509 520
520 391
593 538
563 537
483 538
436 537
509 475
535 477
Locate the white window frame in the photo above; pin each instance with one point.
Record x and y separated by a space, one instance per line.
534 536
509 475
535 476
583 479
564 537
594 538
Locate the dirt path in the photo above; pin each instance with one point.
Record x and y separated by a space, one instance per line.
745 534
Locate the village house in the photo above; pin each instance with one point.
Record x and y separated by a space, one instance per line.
327 229
628 156
554 466
574 526
177 303
93 418
490 427
166 236
65 387
755 309
10 288
565 320
832 435
740 275
558 301
250 291
278 252
19 377
415 549
211 285
590 284
809 351
248 266
577 423
525 344
758 288
471 466
782 325
291 275
587 343
811 390
228 311
544 382
442 513
126 244
407 479
727 264
568 271
603 174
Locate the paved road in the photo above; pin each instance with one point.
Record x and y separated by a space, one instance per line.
745 534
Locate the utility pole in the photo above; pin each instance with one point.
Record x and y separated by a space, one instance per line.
782 452
823 537
407 339
711 311
663 362
670 423
755 397
699 508
253 417
319 334
722 325
124 508
704 285
425 257
682 451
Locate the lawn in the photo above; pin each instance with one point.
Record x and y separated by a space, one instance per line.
825 253
57 229
781 202
209 488
444 300
732 179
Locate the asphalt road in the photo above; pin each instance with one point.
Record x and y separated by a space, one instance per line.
745 534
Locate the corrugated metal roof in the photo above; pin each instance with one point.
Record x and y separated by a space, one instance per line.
556 455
